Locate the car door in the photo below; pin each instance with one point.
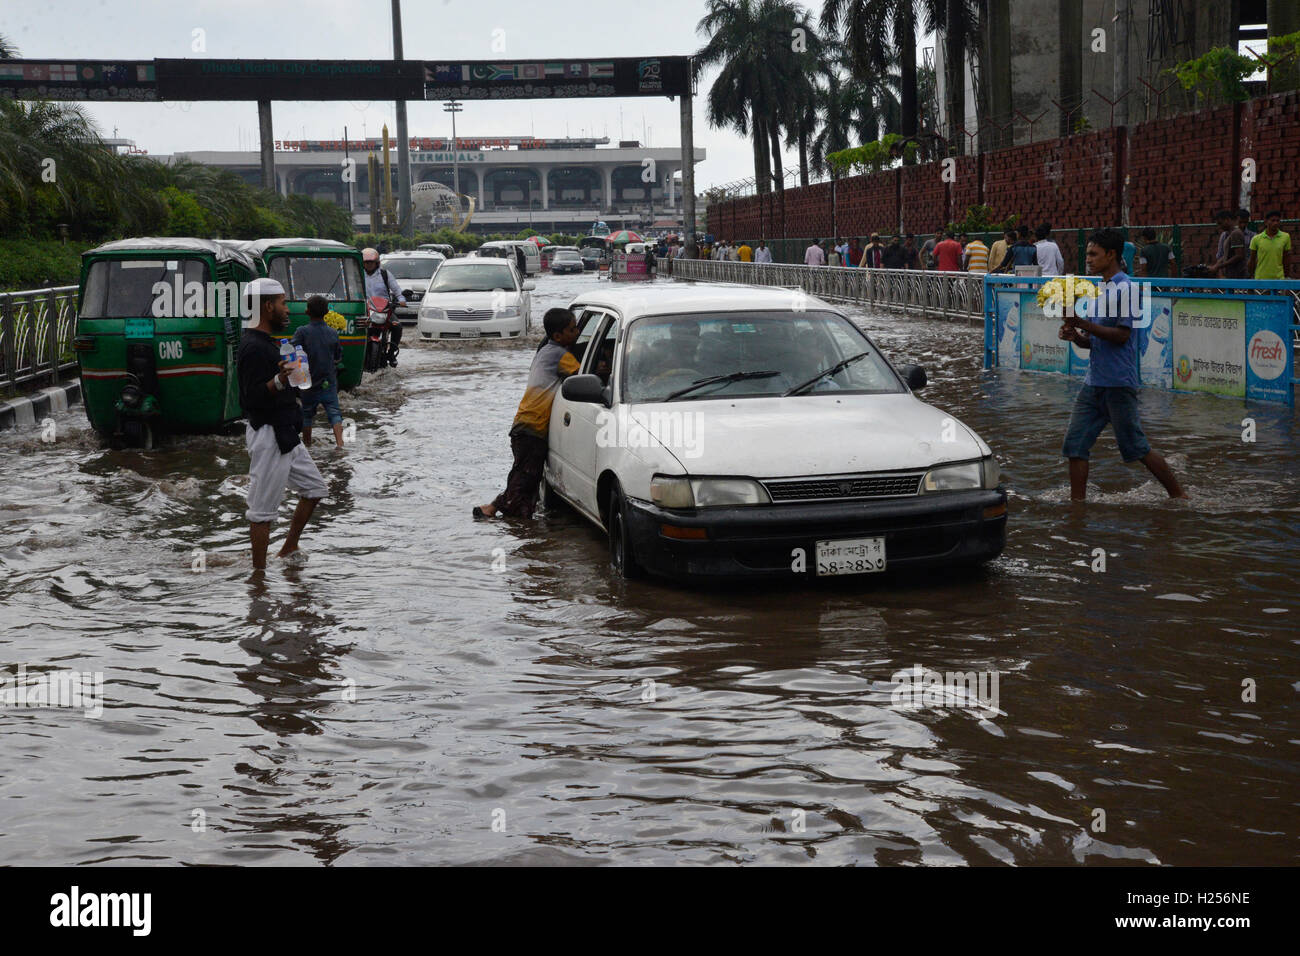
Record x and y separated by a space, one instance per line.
583 422
560 450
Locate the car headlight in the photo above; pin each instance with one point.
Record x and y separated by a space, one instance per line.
432 312
509 312
971 475
684 493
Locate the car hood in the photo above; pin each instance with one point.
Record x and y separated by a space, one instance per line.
808 434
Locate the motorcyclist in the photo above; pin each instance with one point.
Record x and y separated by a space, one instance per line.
380 283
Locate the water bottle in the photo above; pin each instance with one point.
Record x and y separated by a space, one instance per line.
287 354
301 377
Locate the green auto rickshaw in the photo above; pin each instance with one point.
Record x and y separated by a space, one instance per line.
158 326
307 267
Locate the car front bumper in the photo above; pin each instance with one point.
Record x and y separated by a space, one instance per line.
961 527
430 330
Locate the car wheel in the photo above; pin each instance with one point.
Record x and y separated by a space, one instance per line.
621 555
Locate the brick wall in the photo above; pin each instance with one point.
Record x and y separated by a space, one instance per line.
1180 170
1273 141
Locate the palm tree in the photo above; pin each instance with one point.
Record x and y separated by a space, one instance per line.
752 41
876 34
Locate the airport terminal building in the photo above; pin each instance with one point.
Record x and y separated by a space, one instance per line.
552 185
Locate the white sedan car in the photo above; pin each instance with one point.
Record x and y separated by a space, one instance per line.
722 431
475 298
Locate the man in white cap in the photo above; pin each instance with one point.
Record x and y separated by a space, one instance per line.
276 455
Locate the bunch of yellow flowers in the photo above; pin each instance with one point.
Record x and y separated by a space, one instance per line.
336 321
1062 292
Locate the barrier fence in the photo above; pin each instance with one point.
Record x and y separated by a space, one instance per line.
36 330
957 295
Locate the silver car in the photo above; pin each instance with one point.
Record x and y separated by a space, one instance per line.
412 271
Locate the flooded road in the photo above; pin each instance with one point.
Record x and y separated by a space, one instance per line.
428 689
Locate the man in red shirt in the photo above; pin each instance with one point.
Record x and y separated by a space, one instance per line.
948 254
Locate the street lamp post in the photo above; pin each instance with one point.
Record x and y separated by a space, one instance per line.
453 107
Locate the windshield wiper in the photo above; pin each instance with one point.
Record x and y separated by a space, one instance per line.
715 379
825 373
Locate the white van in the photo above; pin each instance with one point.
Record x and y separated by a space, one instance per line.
506 249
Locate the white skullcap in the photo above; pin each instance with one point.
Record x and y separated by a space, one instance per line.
264 288
254 293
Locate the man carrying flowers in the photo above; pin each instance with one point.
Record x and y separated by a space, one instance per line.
1110 389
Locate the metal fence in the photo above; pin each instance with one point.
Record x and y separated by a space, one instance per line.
957 295
36 330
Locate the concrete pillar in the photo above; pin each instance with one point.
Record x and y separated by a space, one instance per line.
608 194
268 143
688 175
544 173
482 175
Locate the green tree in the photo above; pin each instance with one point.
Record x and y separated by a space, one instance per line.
754 44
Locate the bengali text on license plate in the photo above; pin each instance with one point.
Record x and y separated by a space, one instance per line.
469 333
851 556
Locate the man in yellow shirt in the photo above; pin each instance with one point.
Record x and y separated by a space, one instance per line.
999 249
528 436
1270 250
976 254
746 253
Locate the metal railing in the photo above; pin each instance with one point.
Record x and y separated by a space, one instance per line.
36 330
955 295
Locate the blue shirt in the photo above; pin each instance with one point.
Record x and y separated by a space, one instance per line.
1110 365
321 343
1130 251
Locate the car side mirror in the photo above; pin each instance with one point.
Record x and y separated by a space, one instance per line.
529 286
584 388
914 376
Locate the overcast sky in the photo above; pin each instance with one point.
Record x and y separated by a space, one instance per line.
360 29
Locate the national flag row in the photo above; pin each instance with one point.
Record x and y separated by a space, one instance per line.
467 72
99 73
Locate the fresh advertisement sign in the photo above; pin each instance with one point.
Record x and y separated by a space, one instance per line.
1238 346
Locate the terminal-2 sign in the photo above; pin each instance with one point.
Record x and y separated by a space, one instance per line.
186 79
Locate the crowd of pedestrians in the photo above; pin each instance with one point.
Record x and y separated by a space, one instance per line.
1240 253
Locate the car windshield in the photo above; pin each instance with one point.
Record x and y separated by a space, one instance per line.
333 277
415 267
477 278
567 254
124 288
666 354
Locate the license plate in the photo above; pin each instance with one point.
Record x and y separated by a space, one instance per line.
470 333
137 328
851 556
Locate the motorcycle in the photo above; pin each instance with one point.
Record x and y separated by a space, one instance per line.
380 315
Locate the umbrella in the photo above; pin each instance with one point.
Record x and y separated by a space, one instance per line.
622 236
540 240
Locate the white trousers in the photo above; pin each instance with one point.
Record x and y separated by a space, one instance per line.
270 472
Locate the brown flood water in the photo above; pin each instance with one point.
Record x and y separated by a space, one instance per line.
395 697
